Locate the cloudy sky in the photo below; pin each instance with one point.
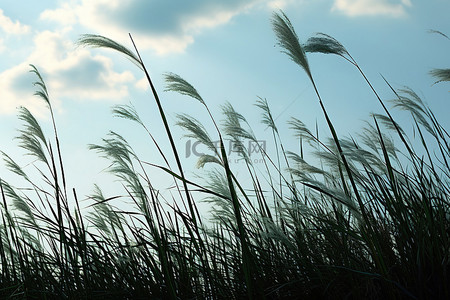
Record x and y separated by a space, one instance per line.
226 49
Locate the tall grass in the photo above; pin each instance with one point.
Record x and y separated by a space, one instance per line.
366 220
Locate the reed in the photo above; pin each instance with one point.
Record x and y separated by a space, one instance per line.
369 221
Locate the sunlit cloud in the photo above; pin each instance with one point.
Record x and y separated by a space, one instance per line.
70 73
164 26
11 27
78 74
142 84
278 4
16 87
355 8
63 15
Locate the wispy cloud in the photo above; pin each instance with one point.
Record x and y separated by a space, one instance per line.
163 26
10 27
15 84
77 74
353 8
279 4
64 15
69 72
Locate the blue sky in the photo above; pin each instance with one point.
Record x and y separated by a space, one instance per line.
226 49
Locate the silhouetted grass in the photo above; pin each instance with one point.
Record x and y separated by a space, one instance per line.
364 221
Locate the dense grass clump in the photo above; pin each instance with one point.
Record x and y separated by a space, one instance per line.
366 220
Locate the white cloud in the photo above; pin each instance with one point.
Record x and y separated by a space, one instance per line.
63 15
372 7
163 26
70 73
10 27
407 2
85 77
76 73
278 4
15 93
142 84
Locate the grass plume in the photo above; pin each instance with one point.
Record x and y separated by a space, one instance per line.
351 217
